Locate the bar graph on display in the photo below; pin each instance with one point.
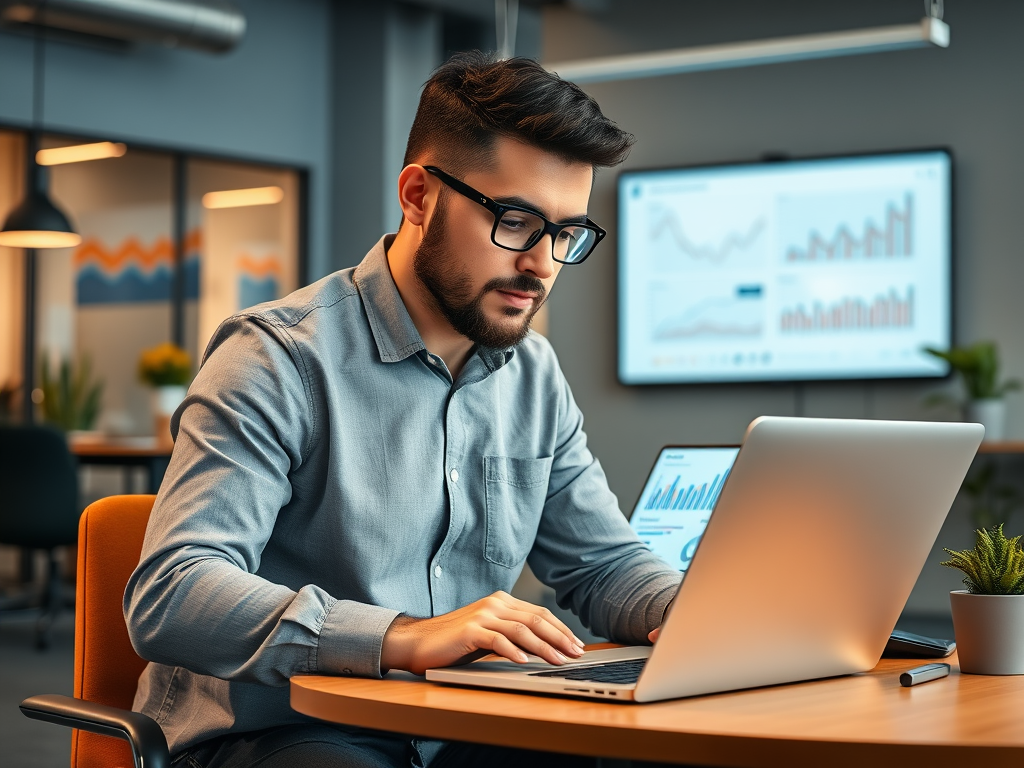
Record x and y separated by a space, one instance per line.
885 312
893 240
679 496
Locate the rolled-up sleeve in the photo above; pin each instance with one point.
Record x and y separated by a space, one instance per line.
196 599
585 548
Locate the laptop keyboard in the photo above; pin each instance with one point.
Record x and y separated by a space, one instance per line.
613 672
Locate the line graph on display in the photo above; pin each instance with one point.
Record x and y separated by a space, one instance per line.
893 240
666 226
737 315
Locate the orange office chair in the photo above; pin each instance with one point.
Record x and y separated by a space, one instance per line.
107 668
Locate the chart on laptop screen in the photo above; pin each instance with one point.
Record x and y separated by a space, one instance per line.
677 501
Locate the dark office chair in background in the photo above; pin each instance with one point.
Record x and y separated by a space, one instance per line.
38 508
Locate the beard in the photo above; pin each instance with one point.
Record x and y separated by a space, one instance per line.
450 288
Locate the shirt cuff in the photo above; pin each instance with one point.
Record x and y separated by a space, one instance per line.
351 638
659 604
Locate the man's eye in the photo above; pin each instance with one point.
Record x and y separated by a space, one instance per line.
514 224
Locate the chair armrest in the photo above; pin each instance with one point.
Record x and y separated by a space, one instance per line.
149 747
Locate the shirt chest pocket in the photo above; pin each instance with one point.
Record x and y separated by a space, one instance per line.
516 490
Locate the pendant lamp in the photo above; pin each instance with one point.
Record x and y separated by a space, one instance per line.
37 222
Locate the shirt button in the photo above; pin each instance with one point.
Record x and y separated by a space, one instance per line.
454 475
346 671
437 571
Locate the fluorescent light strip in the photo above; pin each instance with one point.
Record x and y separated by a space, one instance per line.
238 198
930 31
80 153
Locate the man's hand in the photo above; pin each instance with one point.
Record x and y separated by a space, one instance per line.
498 623
656 632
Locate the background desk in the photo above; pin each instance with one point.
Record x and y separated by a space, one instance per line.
858 720
127 452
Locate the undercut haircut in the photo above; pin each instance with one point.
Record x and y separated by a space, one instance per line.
473 98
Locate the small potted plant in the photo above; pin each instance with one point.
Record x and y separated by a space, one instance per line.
167 368
978 366
988 617
70 397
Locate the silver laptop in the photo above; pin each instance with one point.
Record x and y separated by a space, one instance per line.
819 530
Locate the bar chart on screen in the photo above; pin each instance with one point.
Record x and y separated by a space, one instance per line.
853 233
678 500
884 312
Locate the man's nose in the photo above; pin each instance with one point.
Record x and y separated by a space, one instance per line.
538 260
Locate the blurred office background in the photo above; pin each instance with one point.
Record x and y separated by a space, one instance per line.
315 101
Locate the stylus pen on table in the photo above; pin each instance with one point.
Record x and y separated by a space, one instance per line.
923 674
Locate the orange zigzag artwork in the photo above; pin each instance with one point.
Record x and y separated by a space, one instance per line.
131 252
259 269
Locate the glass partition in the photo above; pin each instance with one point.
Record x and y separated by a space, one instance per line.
242 242
110 297
171 246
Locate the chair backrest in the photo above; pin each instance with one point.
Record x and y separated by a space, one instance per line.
39 485
107 668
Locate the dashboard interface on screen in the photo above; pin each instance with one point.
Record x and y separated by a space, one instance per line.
677 501
797 270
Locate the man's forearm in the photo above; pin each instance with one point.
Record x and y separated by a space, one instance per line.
211 617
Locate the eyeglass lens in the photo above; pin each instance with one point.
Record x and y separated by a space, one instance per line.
520 231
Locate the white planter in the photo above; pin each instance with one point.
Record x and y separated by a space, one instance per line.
167 399
990 413
989 633
165 402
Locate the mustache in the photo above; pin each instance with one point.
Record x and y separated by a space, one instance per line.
522 283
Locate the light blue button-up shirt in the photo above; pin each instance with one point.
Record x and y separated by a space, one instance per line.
328 475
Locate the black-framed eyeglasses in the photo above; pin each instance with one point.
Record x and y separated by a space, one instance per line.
519 229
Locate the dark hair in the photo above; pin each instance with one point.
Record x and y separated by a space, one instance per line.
472 99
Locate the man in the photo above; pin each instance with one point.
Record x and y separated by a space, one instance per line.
362 468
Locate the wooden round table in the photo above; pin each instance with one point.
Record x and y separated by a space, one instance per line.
859 720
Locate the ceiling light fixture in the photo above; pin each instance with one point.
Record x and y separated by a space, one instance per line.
80 153
930 31
37 222
239 198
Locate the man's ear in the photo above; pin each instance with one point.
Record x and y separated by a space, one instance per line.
414 194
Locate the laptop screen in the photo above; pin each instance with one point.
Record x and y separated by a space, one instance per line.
677 500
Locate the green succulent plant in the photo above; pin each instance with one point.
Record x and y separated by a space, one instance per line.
994 567
71 399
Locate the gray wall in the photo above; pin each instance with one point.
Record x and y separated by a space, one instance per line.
967 97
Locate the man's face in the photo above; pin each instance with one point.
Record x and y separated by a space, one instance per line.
487 293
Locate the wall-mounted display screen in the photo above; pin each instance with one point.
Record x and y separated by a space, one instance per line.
820 269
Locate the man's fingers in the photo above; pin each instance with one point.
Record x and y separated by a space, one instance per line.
502 646
538 610
546 631
523 637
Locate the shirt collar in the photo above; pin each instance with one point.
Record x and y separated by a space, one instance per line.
393 329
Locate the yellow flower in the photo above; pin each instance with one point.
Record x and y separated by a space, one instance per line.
165 365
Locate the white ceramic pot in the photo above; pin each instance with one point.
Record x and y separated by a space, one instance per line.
165 402
990 413
167 399
989 633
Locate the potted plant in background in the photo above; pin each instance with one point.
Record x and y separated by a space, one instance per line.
167 368
988 617
70 399
991 501
978 366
